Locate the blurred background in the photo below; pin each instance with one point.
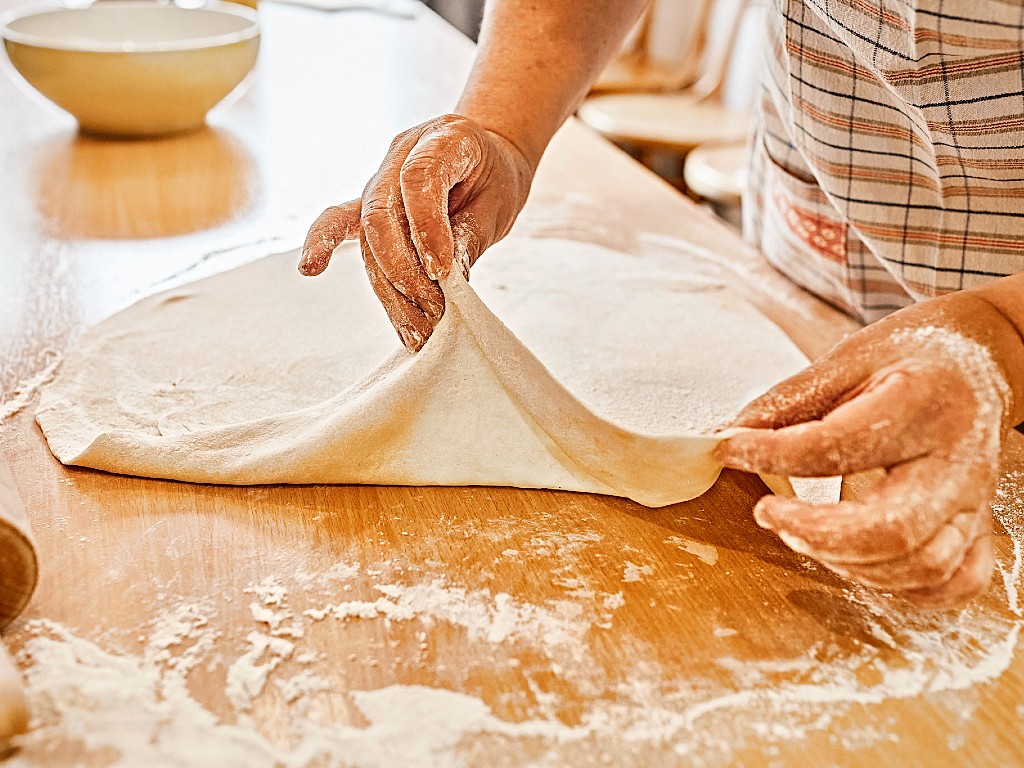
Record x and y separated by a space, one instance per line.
464 14
679 95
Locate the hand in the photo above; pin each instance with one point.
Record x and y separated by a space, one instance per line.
923 395
447 190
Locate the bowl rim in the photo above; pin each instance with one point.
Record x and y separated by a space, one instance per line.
156 46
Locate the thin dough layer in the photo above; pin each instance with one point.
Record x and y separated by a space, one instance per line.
258 376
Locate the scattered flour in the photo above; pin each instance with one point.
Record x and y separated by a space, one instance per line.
139 707
1008 508
269 609
491 618
301 685
25 392
142 711
614 602
634 572
706 553
247 676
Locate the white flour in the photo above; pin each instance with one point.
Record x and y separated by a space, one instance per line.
25 392
706 553
143 706
141 710
491 618
1008 508
248 675
633 572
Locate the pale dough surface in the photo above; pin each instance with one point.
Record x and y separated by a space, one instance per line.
605 374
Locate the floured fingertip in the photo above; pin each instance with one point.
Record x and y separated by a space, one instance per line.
312 264
411 338
762 516
431 264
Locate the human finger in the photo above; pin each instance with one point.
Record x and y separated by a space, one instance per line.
472 230
413 327
331 228
805 396
969 581
931 565
387 234
897 415
439 161
891 521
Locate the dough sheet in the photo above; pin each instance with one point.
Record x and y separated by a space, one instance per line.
606 373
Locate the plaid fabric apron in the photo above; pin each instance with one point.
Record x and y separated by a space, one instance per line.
888 161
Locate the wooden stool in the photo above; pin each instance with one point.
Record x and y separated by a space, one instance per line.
677 122
636 70
672 121
716 172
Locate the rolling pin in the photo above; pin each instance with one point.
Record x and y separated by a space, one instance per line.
19 570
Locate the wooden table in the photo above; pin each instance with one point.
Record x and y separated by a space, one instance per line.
189 625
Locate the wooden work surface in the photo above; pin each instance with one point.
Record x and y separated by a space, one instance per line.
596 631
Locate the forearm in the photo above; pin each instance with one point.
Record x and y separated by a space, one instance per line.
1006 297
536 61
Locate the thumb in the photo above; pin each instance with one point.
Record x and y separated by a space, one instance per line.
806 396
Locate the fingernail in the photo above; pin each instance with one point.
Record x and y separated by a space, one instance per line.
407 340
430 264
310 265
761 515
796 543
435 309
440 270
411 338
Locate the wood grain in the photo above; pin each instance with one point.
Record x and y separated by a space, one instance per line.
689 630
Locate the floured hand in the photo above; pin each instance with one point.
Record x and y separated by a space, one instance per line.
923 395
447 190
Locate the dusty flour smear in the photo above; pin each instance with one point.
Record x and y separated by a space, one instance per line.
706 553
984 378
1008 507
142 711
25 392
632 572
491 618
142 706
249 674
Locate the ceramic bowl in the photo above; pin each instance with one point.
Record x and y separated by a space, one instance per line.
133 68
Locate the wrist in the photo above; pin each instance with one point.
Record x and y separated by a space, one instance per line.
984 314
522 168
1004 299
527 145
971 315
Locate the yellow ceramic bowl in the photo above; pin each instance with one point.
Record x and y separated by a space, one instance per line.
133 68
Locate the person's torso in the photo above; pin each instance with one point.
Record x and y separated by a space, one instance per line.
889 161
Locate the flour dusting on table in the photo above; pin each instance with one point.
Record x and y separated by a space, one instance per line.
410 624
26 392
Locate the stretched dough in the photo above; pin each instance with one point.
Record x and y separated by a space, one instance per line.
259 376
